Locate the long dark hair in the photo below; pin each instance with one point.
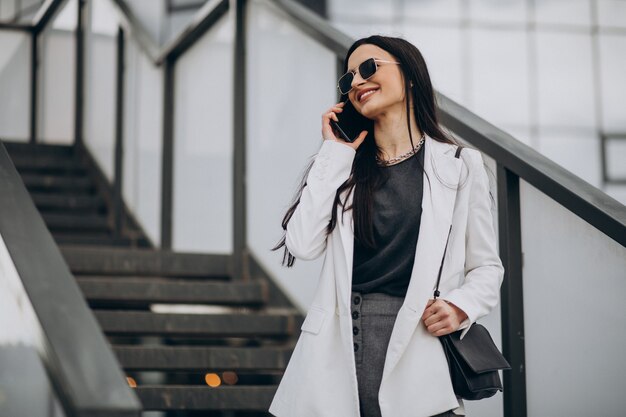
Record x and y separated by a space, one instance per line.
365 171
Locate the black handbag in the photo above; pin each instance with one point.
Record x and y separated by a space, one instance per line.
474 361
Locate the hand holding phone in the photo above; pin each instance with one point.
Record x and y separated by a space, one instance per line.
349 127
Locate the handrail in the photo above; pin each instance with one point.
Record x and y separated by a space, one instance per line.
203 20
45 14
137 30
317 27
578 196
78 359
575 194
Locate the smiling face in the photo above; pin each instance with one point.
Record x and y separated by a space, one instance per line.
384 91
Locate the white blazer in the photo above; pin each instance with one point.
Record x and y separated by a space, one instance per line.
320 378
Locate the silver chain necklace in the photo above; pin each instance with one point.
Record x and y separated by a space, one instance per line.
398 159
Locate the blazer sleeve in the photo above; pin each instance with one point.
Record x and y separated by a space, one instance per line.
306 231
480 291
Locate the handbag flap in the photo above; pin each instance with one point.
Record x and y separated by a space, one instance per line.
478 350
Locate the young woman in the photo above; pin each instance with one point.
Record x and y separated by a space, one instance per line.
381 210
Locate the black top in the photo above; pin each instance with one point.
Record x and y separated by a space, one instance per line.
397 210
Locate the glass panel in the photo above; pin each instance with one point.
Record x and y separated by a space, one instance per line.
101 65
291 81
25 389
143 138
142 118
56 78
15 50
573 311
203 141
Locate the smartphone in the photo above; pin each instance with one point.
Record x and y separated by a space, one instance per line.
351 123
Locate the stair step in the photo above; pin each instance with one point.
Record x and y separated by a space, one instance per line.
117 261
199 397
125 322
190 358
162 290
29 149
100 239
47 163
36 182
56 221
71 202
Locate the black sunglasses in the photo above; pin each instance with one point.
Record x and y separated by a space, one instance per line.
366 70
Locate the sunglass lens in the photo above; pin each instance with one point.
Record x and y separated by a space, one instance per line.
345 82
367 68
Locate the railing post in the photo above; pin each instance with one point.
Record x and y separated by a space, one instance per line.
34 65
119 135
512 300
240 251
167 168
80 71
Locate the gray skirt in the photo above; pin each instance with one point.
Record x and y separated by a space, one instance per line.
373 317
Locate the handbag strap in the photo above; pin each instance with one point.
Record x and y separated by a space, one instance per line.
436 293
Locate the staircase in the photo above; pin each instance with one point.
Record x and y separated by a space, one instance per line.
190 337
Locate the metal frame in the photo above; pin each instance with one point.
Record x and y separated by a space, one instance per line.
34 84
80 72
167 155
119 135
240 259
512 294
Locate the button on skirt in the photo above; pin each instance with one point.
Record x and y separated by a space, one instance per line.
373 317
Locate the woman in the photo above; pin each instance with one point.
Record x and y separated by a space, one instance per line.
369 345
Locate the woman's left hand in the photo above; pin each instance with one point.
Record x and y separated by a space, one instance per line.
441 317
